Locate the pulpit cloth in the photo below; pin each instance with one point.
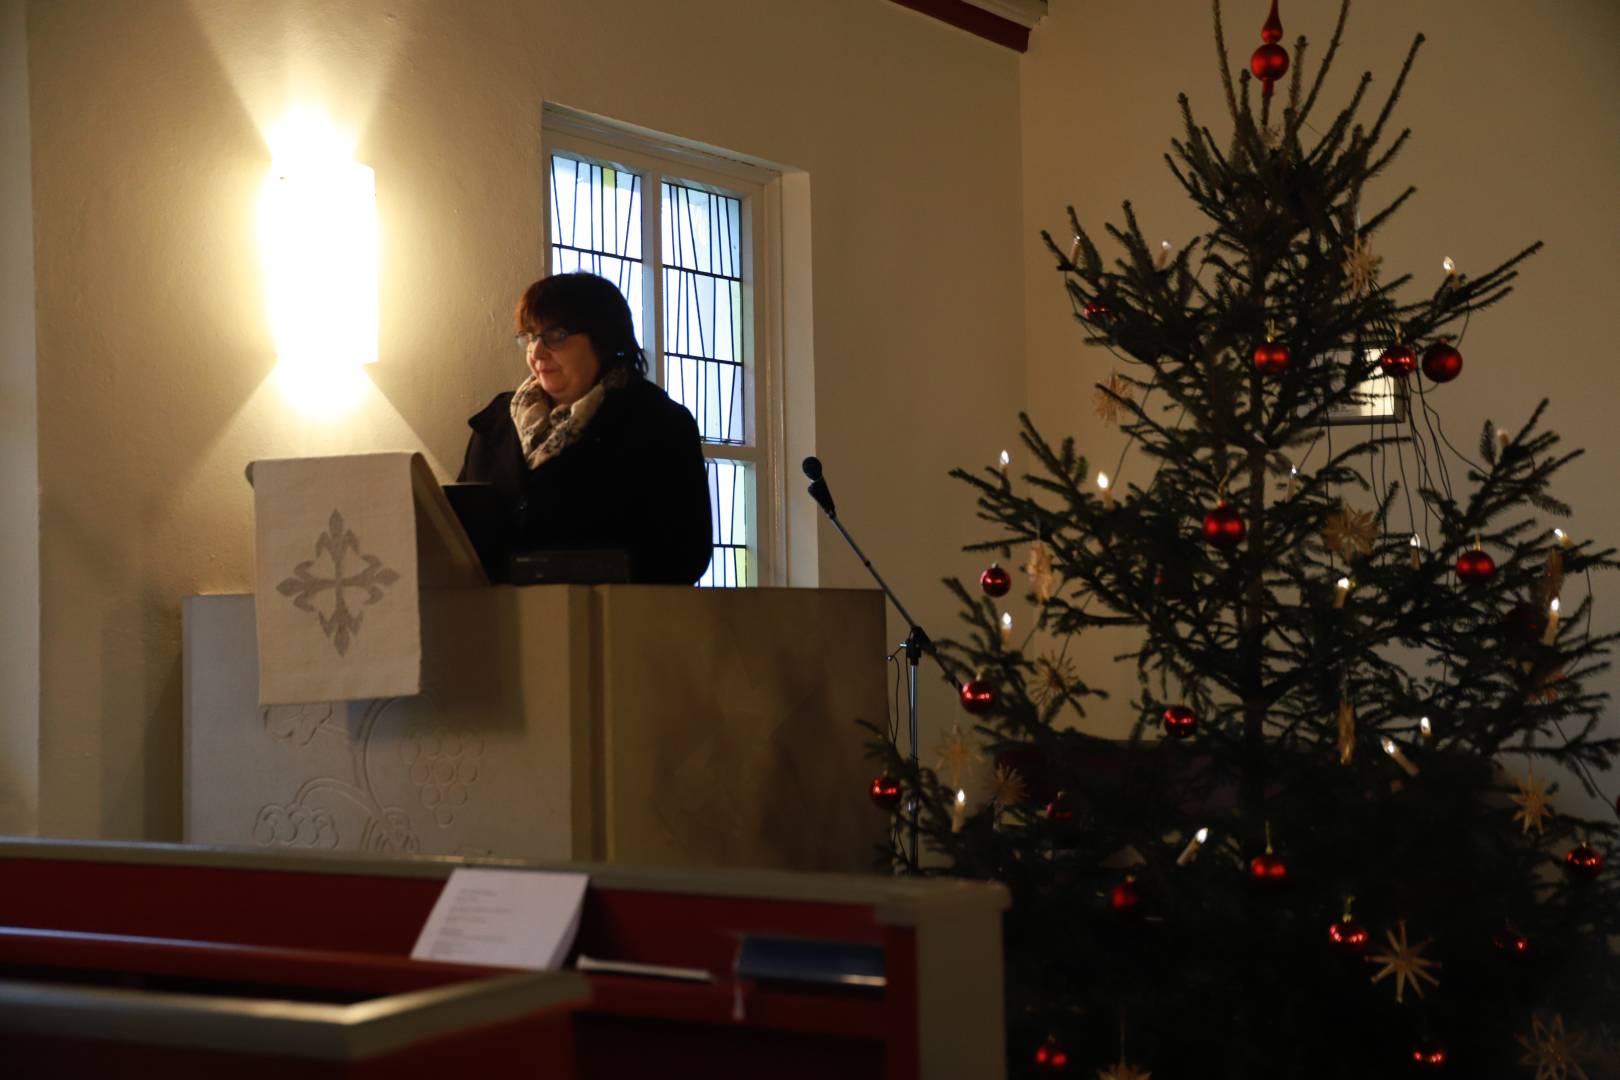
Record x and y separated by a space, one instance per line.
335 579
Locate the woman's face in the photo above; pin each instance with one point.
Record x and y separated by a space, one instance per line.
566 372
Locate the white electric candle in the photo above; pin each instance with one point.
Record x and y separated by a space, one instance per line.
1448 266
1293 480
1006 629
1551 633
1162 259
1192 847
1417 551
1400 759
1074 251
1563 538
1340 591
1425 727
1107 491
959 810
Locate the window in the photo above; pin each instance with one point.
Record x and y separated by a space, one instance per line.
681 232
1376 400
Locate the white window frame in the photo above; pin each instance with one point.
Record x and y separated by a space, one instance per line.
655 159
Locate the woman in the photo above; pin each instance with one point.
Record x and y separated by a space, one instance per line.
586 452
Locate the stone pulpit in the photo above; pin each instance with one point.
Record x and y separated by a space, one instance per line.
606 723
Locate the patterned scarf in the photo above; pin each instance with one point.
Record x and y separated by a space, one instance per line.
545 429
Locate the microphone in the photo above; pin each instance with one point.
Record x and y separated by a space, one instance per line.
818 486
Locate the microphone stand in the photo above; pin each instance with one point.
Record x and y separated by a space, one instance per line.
917 641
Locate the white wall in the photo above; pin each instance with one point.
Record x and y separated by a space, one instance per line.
154 350
19 443
1516 137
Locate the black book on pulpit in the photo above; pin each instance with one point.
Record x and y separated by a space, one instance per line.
479 509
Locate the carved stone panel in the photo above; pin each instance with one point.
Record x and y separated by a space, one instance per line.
477 764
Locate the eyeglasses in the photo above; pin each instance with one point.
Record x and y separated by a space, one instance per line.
551 339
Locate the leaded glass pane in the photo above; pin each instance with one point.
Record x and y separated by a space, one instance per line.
596 226
731 500
703 309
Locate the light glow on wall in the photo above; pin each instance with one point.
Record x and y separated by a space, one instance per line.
318 240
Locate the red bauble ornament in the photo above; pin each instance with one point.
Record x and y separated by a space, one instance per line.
1050 1057
1270 61
1223 528
1398 361
995 581
1060 809
1348 937
1583 862
1475 567
1180 721
1268 869
978 696
1510 942
1095 312
1441 362
1429 1055
1125 897
885 792
1271 358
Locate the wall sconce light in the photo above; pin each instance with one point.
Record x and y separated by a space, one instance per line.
318 238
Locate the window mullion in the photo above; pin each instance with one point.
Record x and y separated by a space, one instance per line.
652 243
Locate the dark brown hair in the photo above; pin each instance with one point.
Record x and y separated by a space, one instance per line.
587 304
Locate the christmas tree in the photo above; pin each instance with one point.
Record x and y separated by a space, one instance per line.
1327 848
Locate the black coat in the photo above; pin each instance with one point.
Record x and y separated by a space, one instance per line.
636 480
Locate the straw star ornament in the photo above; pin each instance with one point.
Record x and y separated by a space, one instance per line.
1107 399
1123 1071
1041 571
1534 807
1053 677
958 757
1552 1051
1350 532
1008 788
1406 962
1361 266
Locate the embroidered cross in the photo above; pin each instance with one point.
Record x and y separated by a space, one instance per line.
338 543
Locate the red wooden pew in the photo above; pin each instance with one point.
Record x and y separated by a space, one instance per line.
320 944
